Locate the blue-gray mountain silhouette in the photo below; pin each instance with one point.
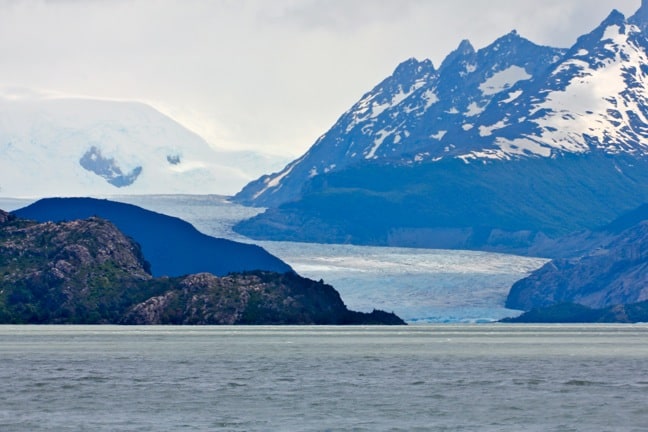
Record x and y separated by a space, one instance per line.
172 246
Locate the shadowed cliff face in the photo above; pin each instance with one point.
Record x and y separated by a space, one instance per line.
89 272
612 274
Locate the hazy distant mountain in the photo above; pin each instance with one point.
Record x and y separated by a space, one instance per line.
494 149
172 246
72 147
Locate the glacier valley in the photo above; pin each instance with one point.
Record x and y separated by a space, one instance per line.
419 285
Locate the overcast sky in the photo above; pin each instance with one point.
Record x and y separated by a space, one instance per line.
267 75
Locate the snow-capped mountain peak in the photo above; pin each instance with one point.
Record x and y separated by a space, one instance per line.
416 114
511 99
505 148
594 98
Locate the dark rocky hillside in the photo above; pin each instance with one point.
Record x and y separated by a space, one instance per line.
89 272
602 278
520 208
612 274
69 272
576 313
4 216
250 298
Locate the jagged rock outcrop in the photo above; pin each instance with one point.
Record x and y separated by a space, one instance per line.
69 247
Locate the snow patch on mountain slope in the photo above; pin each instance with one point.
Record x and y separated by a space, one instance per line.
380 138
373 105
593 107
510 148
503 80
430 98
439 135
512 96
488 130
613 33
524 147
274 181
474 109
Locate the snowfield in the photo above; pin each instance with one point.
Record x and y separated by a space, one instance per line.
63 146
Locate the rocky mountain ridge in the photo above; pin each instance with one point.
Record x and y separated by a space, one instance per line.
410 116
251 298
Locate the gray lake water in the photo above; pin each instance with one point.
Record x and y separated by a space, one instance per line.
487 377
